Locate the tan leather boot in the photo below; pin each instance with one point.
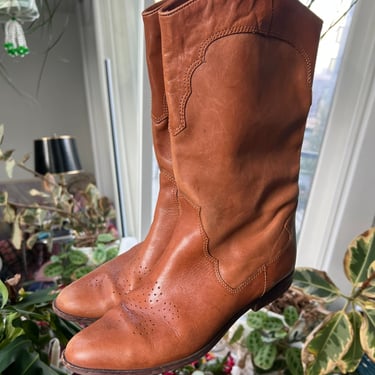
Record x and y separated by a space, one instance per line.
238 80
91 296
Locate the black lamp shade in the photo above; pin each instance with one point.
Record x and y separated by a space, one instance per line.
56 155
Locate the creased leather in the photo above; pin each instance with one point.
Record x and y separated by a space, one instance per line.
91 296
238 87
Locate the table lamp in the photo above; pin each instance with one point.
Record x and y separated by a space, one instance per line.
56 155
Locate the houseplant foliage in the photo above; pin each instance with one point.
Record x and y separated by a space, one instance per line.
345 335
30 332
87 214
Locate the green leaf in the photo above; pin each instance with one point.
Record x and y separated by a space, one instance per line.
265 356
273 324
43 296
77 257
293 361
327 344
53 269
367 333
359 256
237 335
315 283
256 319
350 361
99 256
81 271
290 314
106 237
12 351
4 294
112 253
254 341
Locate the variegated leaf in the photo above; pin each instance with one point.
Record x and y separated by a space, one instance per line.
315 283
38 193
327 344
9 166
367 333
9 214
359 256
369 291
350 361
17 235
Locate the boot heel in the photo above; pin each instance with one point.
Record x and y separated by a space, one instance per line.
273 293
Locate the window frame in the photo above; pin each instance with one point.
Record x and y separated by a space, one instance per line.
323 237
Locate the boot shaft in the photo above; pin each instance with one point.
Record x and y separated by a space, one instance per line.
238 78
159 109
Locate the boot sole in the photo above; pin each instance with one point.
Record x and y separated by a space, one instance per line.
267 298
76 319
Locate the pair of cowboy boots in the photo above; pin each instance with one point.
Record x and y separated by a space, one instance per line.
231 89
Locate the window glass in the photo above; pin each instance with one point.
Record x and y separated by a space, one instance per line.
336 16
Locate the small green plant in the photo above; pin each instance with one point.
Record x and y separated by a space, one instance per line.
348 333
30 332
72 263
272 340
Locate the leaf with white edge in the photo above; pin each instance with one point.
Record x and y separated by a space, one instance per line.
38 193
293 361
9 214
4 294
17 235
350 361
31 241
9 166
316 283
265 356
369 290
327 344
367 333
359 256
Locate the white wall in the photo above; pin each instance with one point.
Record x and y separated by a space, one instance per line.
60 107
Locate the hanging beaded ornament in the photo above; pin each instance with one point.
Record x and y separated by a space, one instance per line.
13 13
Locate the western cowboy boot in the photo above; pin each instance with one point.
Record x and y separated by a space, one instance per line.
91 296
238 80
